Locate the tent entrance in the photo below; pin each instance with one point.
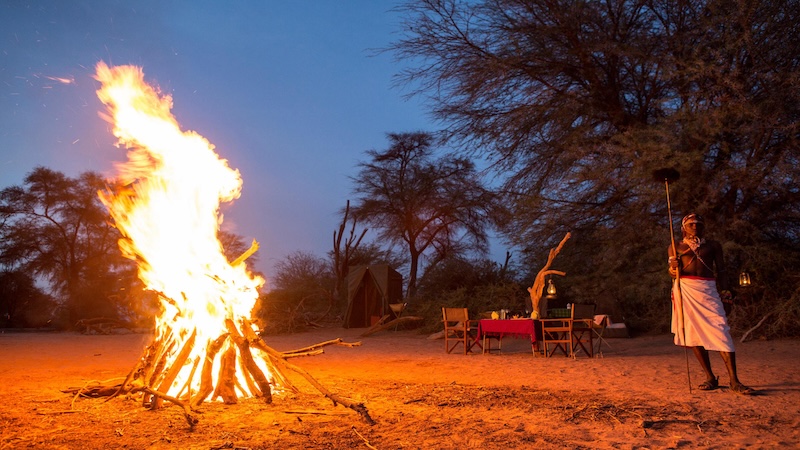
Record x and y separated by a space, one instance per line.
370 290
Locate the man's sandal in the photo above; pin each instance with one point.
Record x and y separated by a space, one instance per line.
742 390
709 385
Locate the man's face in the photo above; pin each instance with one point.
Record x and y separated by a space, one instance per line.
693 229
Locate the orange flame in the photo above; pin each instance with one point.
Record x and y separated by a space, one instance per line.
169 217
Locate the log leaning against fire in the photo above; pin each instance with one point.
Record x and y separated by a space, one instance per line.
538 283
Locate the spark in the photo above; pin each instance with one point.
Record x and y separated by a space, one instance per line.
61 80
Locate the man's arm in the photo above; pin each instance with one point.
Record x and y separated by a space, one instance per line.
673 262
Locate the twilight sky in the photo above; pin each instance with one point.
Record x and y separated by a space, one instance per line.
290 92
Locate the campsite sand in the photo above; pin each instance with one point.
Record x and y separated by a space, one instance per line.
635 397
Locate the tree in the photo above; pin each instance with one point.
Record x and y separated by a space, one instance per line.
575 104
342 256
301 291
22 303
433 205
55 227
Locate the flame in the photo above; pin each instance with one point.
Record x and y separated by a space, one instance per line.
169 216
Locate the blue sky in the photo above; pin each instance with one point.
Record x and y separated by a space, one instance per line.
292 93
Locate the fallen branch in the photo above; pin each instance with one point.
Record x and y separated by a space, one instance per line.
101 325
317 412
357 407
337 341
744 336
390 324
187 409
299 354
377 325
366 442
277 357
60 411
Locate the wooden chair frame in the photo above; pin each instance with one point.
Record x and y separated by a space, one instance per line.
599 331
557 332
459 329
569 334
583 329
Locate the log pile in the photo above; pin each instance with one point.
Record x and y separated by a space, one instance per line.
239 348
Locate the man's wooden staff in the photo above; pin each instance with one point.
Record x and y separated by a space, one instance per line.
669 175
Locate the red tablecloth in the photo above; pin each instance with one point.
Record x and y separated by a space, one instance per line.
512 327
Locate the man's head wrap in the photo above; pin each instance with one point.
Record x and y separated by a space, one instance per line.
692 241
692 218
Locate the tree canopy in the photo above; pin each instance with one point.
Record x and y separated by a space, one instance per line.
428 203
54 227
576 104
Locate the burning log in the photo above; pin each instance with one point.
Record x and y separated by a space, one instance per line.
176 366
206 382
250 367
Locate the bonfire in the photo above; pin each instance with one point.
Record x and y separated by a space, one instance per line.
205 346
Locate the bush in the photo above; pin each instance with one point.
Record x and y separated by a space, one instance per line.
477 299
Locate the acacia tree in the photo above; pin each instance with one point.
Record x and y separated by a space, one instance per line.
432 205
22 303
577 103
55 227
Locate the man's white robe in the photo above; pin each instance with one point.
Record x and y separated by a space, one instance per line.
703 315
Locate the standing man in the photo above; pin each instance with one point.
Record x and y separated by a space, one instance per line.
703 324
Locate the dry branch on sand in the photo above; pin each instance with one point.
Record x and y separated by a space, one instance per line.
382 324
152 377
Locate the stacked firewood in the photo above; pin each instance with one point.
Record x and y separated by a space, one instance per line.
152 376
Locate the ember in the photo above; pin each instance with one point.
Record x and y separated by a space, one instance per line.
205 347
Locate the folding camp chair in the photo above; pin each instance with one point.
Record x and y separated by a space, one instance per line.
459 329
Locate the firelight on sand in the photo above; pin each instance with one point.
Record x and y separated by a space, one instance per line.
169 216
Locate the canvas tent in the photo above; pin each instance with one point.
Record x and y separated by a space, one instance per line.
370 290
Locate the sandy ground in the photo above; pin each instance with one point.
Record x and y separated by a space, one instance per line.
634 397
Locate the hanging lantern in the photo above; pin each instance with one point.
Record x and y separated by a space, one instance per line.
744 279
551 288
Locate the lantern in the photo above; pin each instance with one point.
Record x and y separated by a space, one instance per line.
551 288
744 279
